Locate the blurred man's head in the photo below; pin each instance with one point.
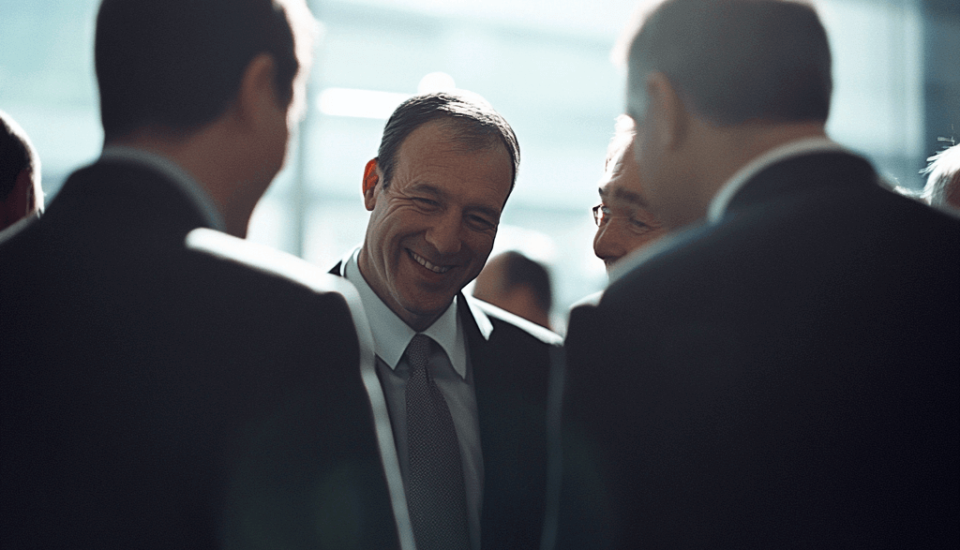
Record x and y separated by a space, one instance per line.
178 64
943 179
722 80
20 193
446 165
517 284
213 84
624 223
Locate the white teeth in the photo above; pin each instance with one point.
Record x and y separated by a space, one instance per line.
422 261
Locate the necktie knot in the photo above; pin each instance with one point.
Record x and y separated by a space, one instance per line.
418 351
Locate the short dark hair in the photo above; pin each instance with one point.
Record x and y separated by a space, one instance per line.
519 270
472 120
177 64
16 153
733 61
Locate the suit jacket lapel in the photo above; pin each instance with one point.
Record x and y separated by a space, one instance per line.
477 338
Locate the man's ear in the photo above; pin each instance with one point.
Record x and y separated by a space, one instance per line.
257 96
371 177
666 111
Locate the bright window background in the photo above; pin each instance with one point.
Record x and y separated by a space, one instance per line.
544 64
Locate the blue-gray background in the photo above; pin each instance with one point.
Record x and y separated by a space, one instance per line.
544 64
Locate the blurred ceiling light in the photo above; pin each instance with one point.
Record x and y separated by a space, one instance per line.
352 102
436 82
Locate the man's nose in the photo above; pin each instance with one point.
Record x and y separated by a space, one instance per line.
606 244
444 233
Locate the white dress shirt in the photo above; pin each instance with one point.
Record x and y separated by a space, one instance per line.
451 369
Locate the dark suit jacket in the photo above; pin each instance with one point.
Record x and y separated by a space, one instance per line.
511 373
785 378
156 395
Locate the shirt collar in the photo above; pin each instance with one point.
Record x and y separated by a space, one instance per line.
172 171
392 335
792 149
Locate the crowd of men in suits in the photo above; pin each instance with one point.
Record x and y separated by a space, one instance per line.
776 362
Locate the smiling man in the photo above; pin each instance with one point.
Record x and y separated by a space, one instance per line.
466 383
624 221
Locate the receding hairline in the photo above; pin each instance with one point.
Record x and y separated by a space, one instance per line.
621 143
463 138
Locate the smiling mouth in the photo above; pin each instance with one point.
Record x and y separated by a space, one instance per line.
423 261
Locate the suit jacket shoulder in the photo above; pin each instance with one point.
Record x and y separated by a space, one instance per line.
501 318
266 260
206 396
776 378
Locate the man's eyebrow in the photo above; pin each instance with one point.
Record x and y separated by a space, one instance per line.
627 195
428 188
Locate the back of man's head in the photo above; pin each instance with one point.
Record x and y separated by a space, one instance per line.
177 65
16 154
473 122
518 284
19 173
520 270
736 61
943 179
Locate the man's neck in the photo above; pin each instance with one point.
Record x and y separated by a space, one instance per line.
740 144
718 152
199 155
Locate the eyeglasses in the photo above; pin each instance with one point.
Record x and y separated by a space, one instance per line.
601 214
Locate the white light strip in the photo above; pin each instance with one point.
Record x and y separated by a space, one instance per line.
359 103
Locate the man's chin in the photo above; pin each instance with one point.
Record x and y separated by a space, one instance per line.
417 309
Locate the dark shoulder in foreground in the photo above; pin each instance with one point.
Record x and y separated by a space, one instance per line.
266 260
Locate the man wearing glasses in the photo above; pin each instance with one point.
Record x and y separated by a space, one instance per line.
623 220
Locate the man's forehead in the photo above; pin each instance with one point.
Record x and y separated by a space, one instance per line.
614 192
477 178
617 162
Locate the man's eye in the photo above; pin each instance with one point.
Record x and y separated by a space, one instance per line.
481 223
638 227
425 203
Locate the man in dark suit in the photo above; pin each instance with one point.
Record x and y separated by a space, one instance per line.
165 386
446 164
783 372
